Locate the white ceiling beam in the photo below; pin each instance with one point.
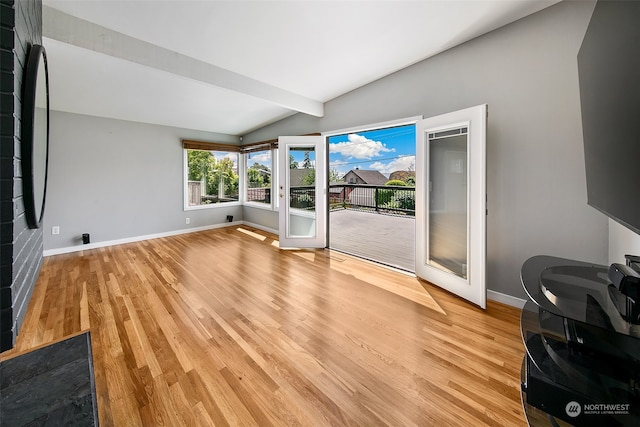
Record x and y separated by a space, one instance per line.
68 29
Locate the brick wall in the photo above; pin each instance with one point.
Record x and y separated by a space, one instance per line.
20 247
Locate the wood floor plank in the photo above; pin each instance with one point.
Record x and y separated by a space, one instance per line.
221 327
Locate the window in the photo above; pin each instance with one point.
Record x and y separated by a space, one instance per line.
212 177
259 176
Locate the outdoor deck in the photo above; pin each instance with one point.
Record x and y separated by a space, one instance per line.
387 239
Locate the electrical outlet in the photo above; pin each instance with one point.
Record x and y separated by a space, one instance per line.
188 221
55 229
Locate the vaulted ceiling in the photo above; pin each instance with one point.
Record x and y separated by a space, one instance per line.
234 66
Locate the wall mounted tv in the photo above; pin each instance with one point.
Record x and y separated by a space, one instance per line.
609 76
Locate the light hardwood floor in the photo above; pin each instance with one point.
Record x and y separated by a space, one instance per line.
223 328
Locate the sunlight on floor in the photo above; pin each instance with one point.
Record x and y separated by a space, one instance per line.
397 282
308 255
252 234
391 280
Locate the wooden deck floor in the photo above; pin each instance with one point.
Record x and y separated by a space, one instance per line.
386 239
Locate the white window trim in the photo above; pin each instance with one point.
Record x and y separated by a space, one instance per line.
273 206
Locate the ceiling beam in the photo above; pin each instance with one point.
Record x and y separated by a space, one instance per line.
69 29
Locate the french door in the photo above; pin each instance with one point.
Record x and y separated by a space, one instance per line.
302 191
451 202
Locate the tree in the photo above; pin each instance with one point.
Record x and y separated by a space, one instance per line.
335 176
255 178
264 172
389 198
309 178
306 164
199 163
222 174
292 162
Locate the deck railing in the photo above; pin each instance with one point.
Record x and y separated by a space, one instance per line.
303 197
380 198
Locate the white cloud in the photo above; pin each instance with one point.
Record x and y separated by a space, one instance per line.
261 157
359 147
340 166
400 164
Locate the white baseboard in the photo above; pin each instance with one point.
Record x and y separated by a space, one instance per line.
506 299
106 243
261 227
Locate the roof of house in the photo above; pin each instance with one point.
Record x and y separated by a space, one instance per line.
372 177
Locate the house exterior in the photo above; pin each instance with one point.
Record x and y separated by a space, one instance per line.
361 196
357 192
362 176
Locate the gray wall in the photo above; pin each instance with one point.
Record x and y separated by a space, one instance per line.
20 246
263 218
622 241
119 180
527 74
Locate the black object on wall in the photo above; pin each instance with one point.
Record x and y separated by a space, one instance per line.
35 134
21 247
609 74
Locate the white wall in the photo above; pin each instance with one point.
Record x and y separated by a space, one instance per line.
119 180
527 74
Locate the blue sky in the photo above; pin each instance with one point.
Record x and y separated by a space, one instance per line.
386 150
262 157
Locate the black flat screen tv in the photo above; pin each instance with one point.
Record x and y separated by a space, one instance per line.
609 79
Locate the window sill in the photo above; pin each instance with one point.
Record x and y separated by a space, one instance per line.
264 206
212 206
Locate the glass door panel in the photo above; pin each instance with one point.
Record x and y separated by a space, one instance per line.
448 201
302 192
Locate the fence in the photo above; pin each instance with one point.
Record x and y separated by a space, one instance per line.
259 194
194 193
